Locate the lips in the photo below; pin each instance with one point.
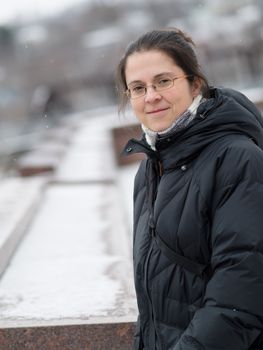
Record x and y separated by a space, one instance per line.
157 110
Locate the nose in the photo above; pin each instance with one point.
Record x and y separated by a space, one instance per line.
151 94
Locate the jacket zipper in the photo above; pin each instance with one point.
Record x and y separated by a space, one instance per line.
160 168
152 236
147 289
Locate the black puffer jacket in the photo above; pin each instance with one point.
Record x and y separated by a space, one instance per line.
201 193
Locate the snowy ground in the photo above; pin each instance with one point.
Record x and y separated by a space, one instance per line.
74 264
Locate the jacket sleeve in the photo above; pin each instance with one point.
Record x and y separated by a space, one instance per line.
231 317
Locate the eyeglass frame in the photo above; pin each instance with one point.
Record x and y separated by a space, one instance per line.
128 94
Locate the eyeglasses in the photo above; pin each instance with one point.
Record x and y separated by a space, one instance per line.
139 90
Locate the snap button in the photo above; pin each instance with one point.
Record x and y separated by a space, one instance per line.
183 167
128 150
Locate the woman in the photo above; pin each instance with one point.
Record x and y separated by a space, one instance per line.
198 202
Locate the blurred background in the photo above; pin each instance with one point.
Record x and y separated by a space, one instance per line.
59 58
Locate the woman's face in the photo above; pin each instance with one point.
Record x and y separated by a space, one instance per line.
158 110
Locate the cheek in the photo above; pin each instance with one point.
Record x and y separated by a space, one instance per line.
137 106
172 98
183 98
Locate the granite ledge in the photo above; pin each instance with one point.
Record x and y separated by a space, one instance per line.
104 336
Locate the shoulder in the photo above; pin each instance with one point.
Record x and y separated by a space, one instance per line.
226 162
240 159
240 99
233 150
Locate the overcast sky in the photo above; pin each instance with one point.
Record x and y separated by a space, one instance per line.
20 9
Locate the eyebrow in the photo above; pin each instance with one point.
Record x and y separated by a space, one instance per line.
155 77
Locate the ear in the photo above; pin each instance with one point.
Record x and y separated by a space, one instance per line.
196 86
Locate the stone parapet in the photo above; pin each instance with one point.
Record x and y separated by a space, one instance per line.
108 336
69 284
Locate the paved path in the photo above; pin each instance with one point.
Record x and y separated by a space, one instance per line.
73 266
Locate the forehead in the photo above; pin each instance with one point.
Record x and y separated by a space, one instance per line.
145 65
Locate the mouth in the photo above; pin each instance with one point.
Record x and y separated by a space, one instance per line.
157 110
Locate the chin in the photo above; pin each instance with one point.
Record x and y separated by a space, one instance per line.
160 128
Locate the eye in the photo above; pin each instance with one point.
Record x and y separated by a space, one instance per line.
164 82
137 88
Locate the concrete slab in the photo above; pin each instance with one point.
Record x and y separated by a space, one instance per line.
90 157
70 283
74 262
18 202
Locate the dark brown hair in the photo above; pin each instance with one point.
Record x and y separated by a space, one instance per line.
176 44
